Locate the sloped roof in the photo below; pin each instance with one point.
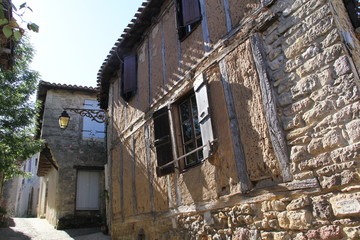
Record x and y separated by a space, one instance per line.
132 34
44 86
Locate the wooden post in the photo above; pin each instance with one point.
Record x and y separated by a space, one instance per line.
238 148
275 130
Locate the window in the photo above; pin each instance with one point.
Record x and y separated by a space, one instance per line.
163 142
353 8
190 129
129 77
194 126
188 15
88 189
92 129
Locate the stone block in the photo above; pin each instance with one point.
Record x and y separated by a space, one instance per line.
310 52
319 110
353 130
298 153
339 179
346 154
334 139
274 53
317 15
352 233
321 208
294 63
305 86
292 122
316 146
328 55
300 140
331 182
317 30
295 220
342 116
331 38
313 163
304 175
342 66
273 205
298 107
285 99
298 203
331 232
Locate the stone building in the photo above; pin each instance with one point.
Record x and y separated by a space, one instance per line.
71 166
27 189
234 120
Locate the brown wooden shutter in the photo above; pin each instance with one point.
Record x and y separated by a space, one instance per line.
163 142
190 11
353 8
130 74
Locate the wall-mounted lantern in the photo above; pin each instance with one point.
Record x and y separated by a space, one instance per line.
64 119
96 115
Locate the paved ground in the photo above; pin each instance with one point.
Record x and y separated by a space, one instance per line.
40 229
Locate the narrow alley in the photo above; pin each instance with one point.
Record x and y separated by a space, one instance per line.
40 229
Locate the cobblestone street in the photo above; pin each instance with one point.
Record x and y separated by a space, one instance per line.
40 229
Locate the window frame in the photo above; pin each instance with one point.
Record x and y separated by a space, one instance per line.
184 30
77 207
181 142
163 139
89 104
200 92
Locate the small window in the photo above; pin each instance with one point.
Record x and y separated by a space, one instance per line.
188 15
163 142
129 77
193 124
88 189
92 129
353 9
190 131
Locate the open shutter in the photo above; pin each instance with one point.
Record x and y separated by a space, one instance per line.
163 142
190 11
202 101
353 8
130 74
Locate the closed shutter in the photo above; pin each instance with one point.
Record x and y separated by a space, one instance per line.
190 11
163 142
88 189
92 129
202 101
130 74
353 8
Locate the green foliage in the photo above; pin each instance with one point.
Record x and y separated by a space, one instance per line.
17 112
9 25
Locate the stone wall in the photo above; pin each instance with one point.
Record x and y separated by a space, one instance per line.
315 84
71 152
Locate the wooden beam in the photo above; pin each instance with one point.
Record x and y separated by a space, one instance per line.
238 148
133 174
227 15
275 130
121 182
148 165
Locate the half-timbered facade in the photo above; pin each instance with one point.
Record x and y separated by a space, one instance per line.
234 120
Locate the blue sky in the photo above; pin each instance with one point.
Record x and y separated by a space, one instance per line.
76 36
